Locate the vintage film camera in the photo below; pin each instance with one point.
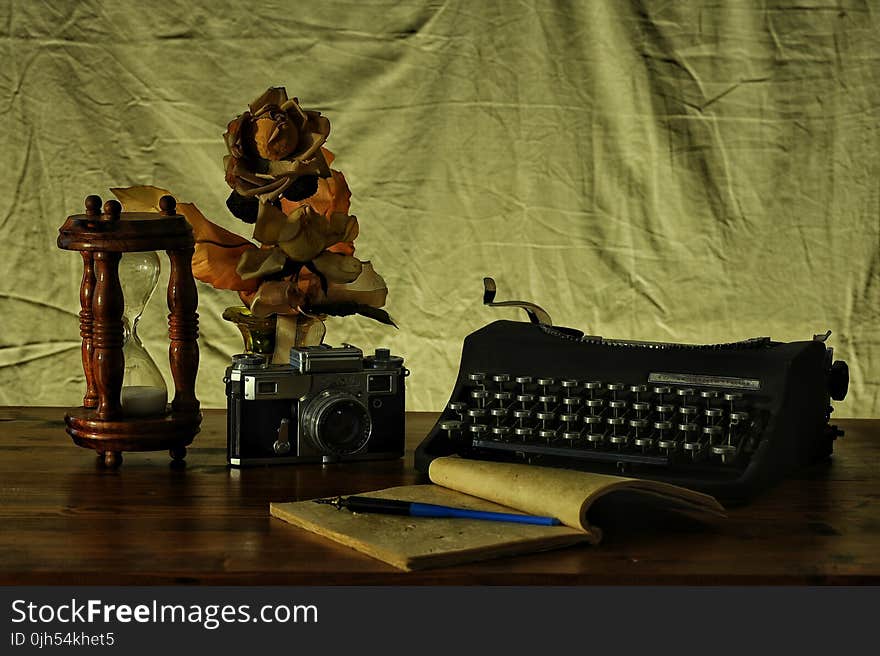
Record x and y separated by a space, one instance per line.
329 404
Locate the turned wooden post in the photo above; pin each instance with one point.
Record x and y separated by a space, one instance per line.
86 316
183 323
108 333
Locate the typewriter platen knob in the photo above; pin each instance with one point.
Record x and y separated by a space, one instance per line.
838 380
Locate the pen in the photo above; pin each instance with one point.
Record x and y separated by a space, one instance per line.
415 509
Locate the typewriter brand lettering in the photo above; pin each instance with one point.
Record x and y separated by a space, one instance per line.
700 380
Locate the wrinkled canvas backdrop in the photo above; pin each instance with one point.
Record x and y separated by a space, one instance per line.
693 171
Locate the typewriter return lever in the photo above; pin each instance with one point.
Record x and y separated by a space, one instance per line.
536 313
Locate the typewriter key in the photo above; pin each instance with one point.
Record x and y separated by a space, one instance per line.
665 409
592 386
545 416
572 402
712 431
480 397
617 405
594 404
694 448
523 432
571 436
569 385
568 417
688 411
525 399
499 414
521 415
501 397
595 438
451 427
641 407
592 420
738 417
458 407
523 381
478 378
501 379
667 444
548 400
713 414
547 434
545 383
478 429
501 432
477 413
726 451
638 389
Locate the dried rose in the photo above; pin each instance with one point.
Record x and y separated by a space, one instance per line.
274 143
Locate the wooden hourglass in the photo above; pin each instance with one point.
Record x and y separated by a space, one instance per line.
116 418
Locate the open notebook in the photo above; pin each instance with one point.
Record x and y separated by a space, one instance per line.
418 543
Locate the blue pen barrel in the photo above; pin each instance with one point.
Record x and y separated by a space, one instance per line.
431 510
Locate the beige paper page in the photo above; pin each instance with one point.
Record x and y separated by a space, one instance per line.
561 493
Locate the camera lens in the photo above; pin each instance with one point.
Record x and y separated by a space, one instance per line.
338 423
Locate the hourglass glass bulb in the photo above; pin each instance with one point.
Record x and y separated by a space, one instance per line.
143 387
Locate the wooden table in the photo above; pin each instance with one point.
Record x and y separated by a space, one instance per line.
66 521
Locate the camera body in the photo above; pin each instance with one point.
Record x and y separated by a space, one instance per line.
330 404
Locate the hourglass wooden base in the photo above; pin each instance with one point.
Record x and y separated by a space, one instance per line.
101 238
111 438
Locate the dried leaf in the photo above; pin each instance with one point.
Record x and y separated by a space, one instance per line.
216 266
139 199
205 231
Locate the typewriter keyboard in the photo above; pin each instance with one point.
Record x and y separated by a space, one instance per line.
619 423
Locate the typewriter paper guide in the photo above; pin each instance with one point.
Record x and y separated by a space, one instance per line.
562 493
419 543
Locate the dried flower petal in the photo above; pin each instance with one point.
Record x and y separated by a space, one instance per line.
272 96
276 297
338 268
270 222
368 288
307 235
332 196
260 262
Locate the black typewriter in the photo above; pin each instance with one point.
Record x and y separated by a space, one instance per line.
727 419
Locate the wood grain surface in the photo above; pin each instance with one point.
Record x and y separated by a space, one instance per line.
67 521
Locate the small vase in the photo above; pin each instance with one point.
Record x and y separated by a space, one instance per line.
258 333
274 336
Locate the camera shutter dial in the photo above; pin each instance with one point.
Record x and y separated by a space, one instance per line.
338 423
